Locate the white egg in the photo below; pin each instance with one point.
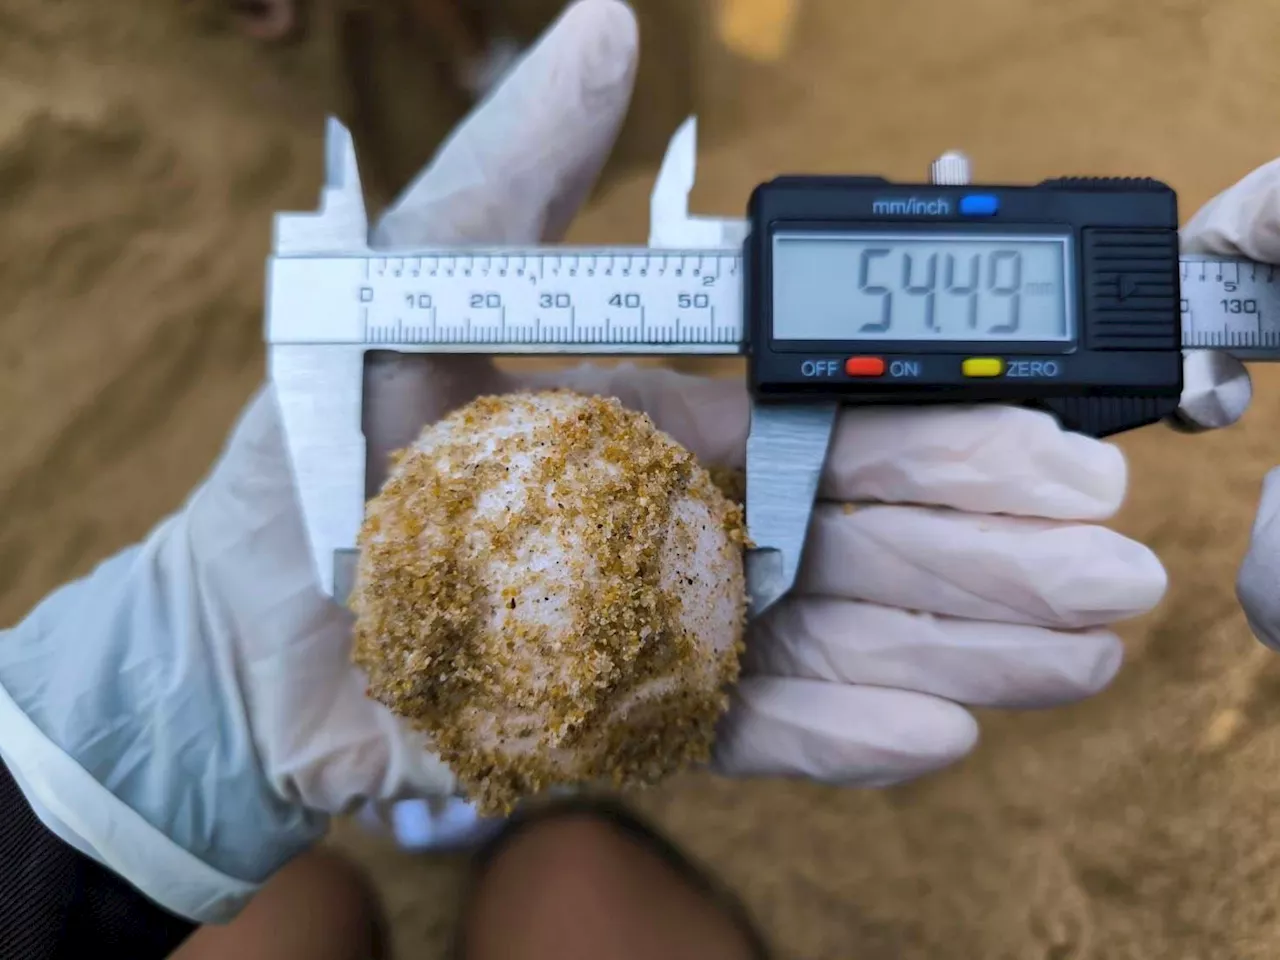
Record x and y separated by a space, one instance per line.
552 589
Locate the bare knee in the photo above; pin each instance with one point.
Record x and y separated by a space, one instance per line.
580 887
320 906
330 885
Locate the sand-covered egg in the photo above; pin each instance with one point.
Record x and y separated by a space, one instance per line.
552 589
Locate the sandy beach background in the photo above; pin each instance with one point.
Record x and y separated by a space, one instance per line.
144 148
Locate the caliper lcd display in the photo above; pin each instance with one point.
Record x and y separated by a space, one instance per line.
922 287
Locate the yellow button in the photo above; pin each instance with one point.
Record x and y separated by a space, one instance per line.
982 367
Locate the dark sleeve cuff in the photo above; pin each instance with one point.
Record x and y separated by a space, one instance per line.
55 902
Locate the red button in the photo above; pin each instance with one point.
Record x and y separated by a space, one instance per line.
864 367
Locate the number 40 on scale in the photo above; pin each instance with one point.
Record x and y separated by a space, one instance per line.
685 301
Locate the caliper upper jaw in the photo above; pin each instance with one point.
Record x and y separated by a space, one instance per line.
340 225
319 386
670 225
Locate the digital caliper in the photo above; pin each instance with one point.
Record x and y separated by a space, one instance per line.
1069 295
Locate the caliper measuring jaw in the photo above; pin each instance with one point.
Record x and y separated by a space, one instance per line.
787 444
319 385
319 380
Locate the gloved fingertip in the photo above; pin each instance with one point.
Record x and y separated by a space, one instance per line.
1243 220
612 59
980 459
1258 581
1256 592
1201 235
950 735
838 733
605 83
1104 657
1269 503
605 38
1110 579
1088 476
517 169
1150 578
1099 472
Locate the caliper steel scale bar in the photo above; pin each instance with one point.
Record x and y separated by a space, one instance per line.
331 298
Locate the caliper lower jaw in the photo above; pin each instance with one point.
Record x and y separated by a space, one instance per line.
319 389
786 453
319 386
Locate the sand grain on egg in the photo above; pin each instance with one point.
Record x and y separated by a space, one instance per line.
552 589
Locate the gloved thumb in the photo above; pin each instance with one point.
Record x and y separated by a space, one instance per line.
515 172
1258 583
1242 221
519 167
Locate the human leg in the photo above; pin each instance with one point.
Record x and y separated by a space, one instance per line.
319 907
588 881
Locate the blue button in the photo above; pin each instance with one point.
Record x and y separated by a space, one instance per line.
979 205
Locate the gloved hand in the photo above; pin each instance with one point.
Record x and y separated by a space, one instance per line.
187 714
1244 221
952 561
203 680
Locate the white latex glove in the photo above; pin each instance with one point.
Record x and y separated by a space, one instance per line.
187 714
951 561
1244 221
203 680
